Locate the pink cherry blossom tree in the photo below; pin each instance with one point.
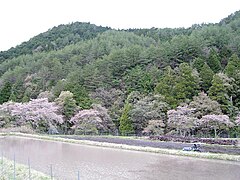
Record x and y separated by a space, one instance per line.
93 121
38 112
215 122
182 120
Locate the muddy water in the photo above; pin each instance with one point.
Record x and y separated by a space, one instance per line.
110 164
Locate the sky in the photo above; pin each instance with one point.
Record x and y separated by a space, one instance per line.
23 19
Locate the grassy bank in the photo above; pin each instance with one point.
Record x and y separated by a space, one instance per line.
129 147
21 171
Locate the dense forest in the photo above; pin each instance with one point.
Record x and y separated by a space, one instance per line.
82 78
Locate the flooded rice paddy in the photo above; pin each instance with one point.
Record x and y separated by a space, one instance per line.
109 164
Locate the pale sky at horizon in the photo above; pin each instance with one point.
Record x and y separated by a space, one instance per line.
23 19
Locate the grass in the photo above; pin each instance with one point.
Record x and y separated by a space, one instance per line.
129 147
21 171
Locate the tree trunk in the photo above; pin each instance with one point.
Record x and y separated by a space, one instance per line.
215 132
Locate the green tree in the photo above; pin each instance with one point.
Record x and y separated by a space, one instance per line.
81 95
214 61
69 107
206 75
67 103
166 86
138 79
5 92
198 63
17 92
187 84
218 92
125 121
233 66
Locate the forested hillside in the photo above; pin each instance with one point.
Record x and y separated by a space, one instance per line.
81 78
55 39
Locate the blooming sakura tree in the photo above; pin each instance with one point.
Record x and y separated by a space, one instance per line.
203 105
155 127
215 122
149 108
93 121
46 94
182 120
40 113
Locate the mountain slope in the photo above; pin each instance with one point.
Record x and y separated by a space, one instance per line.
55 38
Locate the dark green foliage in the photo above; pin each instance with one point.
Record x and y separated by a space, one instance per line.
218 92
166 86
178 85
233 66
206 75
5 92
55 38
142 80
165 34
214 61
69 107
17 92
81 95
231 18
187 84
125 121
198 64
236 91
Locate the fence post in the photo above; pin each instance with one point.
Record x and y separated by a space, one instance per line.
2 164
51 173
14 167
78 175
29 169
